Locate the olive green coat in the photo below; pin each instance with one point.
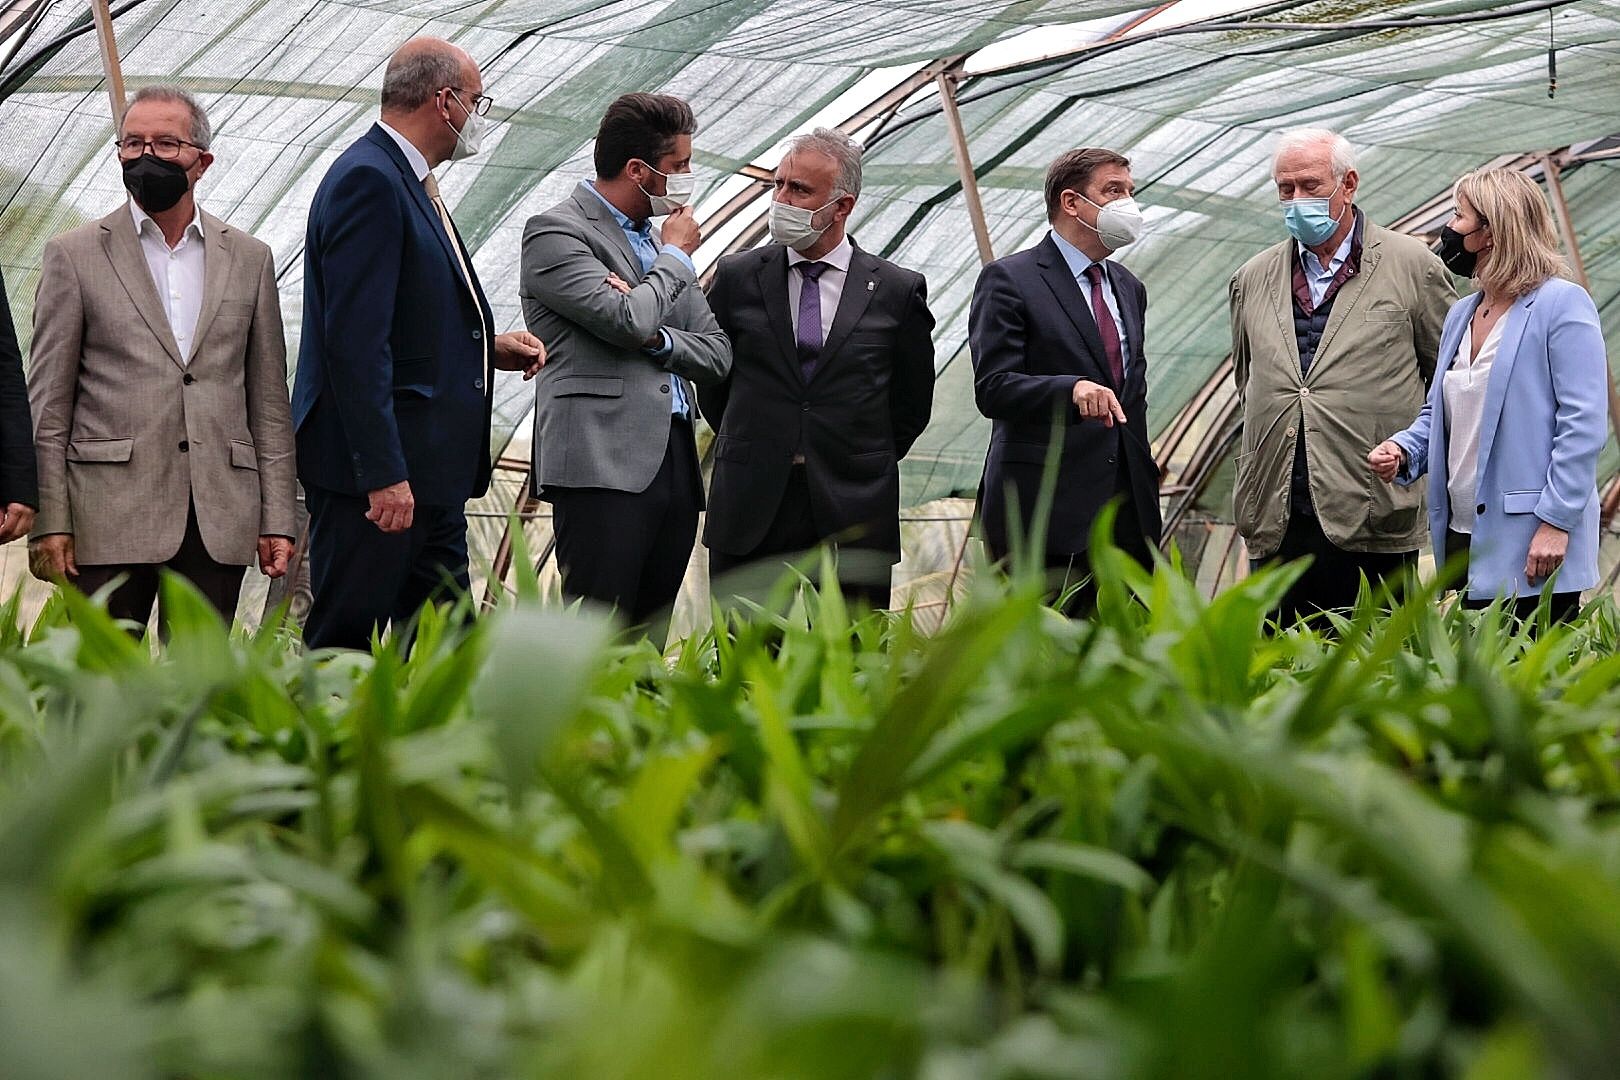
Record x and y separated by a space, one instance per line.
1367 381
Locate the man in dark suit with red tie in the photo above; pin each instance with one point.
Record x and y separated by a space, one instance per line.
832 382
1056 336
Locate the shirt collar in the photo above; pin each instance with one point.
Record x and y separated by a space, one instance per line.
413 156
1078 260
142 217
838 258
645 228
1315 266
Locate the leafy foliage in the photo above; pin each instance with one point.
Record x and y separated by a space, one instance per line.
1164 843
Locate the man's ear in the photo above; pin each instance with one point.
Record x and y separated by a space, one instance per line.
1352 181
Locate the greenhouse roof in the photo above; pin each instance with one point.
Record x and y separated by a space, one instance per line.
290 83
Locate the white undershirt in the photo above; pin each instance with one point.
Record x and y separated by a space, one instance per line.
413 156
1464 392
177 273
831 284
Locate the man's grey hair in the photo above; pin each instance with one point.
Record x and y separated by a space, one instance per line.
1341 155
415 75
838 146
202 135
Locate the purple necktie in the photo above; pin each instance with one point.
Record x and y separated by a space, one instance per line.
809 334
1105 324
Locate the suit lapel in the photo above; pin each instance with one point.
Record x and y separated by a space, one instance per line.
1281 295
773 293
1055 272
590 206
1507 353
1135 320
861 283
123 250
418 193
216 274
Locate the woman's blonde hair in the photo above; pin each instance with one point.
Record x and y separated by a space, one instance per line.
1524 245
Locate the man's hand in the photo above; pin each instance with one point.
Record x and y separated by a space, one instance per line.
520 351
50 558
393 508
15 522
275 553
1386 460
681 229
1097 402
1547 550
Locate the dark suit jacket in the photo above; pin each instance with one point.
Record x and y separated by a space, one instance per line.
1033 337
395 370
19 481
865 404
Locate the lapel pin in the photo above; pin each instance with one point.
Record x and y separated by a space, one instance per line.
870 285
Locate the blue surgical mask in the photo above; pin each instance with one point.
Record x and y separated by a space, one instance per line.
1310 220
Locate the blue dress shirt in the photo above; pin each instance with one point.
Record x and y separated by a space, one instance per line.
647 252
1078 262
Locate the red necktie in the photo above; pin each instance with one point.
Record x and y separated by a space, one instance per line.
1105 324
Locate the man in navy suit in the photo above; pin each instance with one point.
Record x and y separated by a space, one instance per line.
1056 335
392 398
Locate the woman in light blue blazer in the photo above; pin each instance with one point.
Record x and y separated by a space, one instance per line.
1518 409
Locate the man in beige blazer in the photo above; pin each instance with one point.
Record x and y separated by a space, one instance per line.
1335 334
158 382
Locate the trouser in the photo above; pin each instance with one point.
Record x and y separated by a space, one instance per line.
629 550
1065 570
1562 606
132 600
363 579
1334 576
864 574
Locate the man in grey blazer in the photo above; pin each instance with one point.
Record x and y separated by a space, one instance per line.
158 382
627 333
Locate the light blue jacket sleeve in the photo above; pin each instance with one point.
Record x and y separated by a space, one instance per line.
1579 370
1415 441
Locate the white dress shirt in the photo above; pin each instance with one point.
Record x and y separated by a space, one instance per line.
1464 392
831 284
177 272
1319 277
413 156
1078 262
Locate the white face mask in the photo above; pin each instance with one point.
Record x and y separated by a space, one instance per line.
795 226
1119 223
471 135
678 188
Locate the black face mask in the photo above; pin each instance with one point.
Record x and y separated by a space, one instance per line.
1458 259
155 184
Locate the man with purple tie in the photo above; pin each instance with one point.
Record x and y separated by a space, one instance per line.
1056 336
832 382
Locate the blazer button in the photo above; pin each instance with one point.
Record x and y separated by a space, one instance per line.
804 406
189 379
664 389
478 384
477 334
184 446
1480 509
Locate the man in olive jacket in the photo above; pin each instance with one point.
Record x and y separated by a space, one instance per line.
1335 334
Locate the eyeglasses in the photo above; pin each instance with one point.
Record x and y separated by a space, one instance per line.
165 147
480 102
